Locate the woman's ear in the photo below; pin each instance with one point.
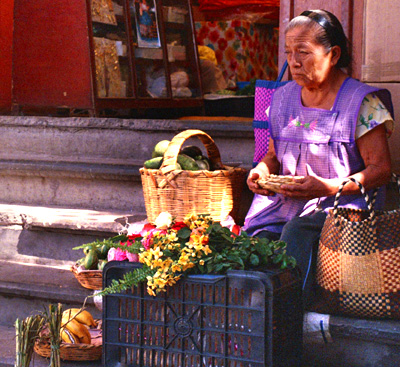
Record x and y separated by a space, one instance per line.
335 52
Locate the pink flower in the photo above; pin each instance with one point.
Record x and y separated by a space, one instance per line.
116 254
132 257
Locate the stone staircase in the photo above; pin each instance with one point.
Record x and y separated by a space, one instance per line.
68 181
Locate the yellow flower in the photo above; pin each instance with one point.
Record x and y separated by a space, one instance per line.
201 262
150 292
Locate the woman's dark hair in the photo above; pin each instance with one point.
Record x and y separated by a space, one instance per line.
329 32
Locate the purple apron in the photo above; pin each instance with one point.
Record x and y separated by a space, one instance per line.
312 141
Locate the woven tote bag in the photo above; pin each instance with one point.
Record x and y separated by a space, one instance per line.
262 100
358 263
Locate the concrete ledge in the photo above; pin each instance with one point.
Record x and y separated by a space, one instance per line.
66 219
351 342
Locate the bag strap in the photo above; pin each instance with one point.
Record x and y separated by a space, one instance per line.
396 179
282 72
372 215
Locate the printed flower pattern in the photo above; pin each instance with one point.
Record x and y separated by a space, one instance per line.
373 113
243 50
295 122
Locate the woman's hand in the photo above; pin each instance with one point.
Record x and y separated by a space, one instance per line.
254 175
310 187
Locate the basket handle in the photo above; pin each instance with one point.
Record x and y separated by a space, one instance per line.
174 147
372 215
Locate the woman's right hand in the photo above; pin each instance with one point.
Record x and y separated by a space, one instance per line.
254 175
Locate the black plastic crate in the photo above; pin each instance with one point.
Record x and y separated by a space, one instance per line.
242 319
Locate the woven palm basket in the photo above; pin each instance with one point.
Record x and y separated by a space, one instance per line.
74 352
182 192
90 279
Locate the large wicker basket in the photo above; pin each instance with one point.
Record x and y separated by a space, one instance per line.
182 192
74 352
90 279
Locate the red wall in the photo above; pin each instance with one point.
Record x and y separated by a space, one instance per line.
51 58
6 32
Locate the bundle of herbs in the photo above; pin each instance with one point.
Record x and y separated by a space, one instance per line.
27 332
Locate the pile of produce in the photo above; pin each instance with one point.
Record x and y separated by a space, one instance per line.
95 254
75 325
190 158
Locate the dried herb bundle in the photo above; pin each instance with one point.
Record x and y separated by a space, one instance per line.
27 331
53 318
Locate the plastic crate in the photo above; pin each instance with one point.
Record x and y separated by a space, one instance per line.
242 319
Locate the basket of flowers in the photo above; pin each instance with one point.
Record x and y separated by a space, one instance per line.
182 185
169 248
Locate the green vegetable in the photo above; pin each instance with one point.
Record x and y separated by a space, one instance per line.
203 165
191 151
187 163
91 260
160 148
154 163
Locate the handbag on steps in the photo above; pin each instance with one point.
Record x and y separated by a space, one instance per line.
358 264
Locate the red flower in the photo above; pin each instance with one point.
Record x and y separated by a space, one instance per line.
213 36
236 229
133 236
222 44
146 228
236 23
178 225
202 33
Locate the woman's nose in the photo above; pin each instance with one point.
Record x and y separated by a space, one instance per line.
293 60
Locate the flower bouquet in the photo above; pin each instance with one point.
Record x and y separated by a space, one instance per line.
168 249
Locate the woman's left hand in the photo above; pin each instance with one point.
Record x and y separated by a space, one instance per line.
309 187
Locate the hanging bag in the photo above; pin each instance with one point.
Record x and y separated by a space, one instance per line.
262 100
358 264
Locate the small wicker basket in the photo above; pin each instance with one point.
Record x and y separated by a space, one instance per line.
73 352
90 279
182 192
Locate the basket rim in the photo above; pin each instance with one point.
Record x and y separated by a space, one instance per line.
74 269
173 149
43 348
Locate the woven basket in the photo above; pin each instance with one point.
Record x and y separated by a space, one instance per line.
73 352
90 279
182 192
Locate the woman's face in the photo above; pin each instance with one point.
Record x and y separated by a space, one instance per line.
309 62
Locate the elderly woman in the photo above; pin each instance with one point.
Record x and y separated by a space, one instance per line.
325 127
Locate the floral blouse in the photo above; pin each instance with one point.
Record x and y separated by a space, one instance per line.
373 113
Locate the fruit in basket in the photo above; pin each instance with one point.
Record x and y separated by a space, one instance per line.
91 259
82 316
203 164
187 163
102 252
80 332
192 151
101 264
153 163
160 148
68 337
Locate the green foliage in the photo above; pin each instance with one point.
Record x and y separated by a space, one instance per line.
218 250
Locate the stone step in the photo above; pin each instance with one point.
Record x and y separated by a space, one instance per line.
350 342
93 163
47 235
